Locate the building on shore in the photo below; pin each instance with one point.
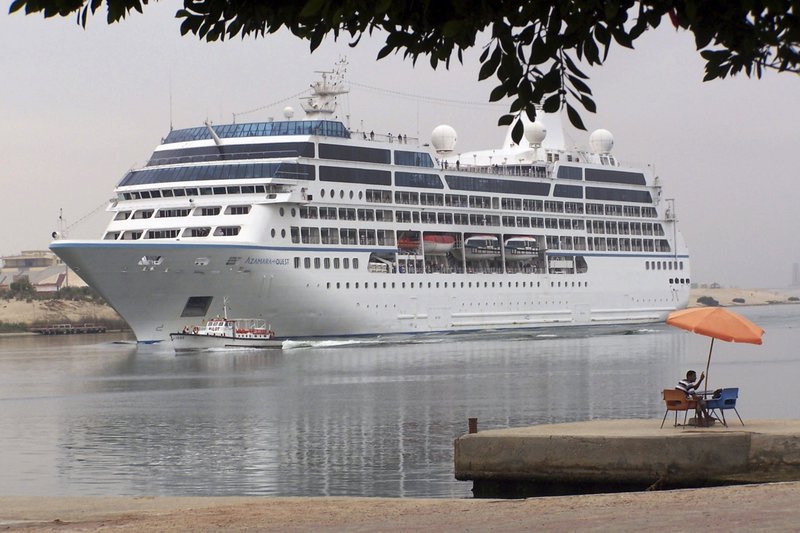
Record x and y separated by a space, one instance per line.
45 270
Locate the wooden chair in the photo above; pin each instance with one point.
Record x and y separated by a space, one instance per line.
676 400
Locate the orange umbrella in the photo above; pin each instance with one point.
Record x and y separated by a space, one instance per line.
717 323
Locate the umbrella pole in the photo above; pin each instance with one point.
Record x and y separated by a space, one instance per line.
709 361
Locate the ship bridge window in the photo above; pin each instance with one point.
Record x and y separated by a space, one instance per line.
143 213
615 176
122 215
231 152
354 153
237 210
197 232
196 306
618 195
219 172
325 128
249 189
468 183
233 190
568 191
416 179
413 159
355 175
227 231
570 173
179 192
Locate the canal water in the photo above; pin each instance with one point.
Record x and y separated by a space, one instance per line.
99 415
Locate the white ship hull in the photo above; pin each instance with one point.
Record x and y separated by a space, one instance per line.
299 303
323 231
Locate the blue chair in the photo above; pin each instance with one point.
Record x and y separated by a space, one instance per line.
726 400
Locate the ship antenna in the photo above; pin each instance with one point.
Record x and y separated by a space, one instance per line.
225 307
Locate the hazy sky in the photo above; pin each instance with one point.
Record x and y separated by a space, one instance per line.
79 108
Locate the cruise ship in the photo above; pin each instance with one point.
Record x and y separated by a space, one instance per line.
326 231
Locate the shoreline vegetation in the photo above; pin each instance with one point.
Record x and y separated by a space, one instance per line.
19 315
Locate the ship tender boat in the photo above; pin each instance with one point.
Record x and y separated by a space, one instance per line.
323 230
438 244
224 332
521 248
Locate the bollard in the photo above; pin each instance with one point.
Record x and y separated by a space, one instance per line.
473 425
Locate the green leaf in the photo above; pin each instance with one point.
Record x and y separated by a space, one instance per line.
490 66
505 120
498 93
516 133
575 118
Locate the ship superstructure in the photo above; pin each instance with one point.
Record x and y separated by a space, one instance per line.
324 231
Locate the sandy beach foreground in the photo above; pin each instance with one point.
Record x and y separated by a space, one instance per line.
767 507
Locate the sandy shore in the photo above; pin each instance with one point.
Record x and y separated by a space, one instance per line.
725 297
768 507
54 312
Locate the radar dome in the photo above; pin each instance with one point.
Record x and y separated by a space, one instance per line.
444 138
535 133
288 112
601 141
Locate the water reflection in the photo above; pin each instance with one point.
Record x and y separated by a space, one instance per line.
361 419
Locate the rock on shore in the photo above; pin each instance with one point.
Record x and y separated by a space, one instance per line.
725 296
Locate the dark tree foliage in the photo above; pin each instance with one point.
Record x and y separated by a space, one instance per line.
533 47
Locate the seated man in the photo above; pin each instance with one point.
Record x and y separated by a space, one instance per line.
689 386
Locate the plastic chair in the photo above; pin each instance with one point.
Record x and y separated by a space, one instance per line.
727 400
676 400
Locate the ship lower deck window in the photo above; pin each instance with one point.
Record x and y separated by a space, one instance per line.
227 231
197 306
197 232
237 210
162 234
207 211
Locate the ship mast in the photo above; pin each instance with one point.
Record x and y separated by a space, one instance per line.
322 103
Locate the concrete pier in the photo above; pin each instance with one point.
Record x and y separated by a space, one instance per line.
606 455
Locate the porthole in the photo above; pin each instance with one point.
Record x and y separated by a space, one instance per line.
351 195
331 193
293 212
283 233
341 193
360 194
322 193
272 232
280 211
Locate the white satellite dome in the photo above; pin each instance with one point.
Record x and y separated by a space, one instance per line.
535 133
288 112
444 138
601 141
